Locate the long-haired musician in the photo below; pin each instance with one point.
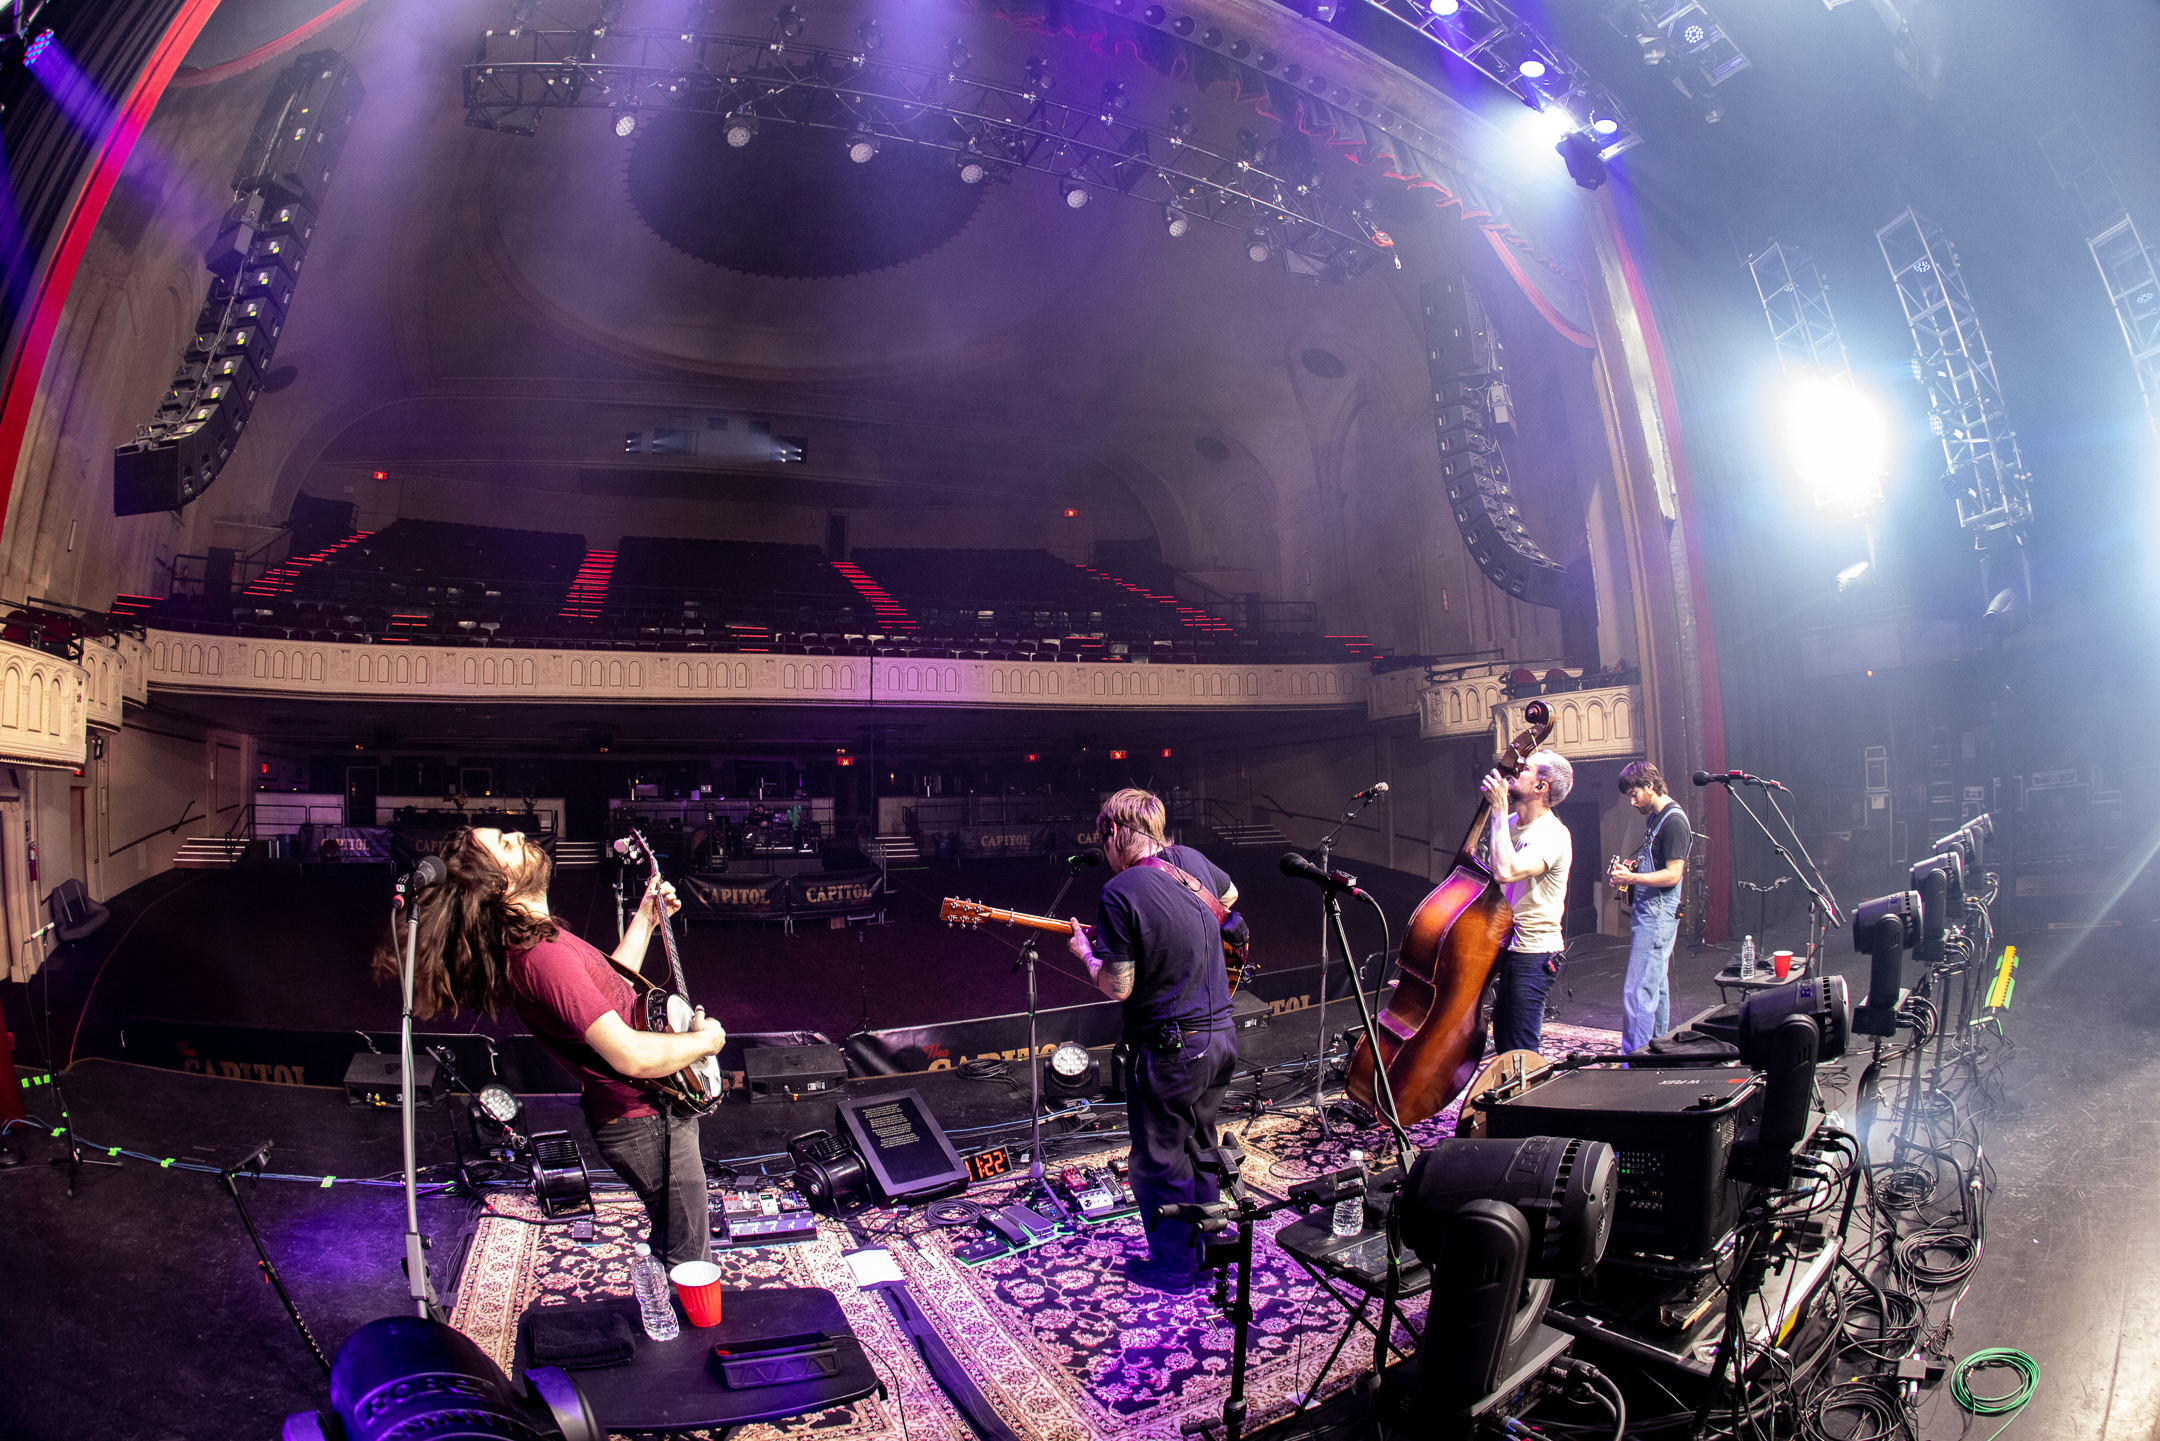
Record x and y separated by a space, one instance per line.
486 940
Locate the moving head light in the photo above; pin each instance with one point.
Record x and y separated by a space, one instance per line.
1940 883
1784 1033
403 1376
1882 929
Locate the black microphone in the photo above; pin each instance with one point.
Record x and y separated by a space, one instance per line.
427 871
1377 788
255 1159
1089 857
1734 778
1294 865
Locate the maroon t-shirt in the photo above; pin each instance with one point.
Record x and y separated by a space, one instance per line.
560 988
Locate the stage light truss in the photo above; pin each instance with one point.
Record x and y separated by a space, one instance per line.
1686 39
2126 265
1489 36
1088 142
1797 304
1985 475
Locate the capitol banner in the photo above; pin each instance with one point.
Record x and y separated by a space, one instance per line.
834 893
723 895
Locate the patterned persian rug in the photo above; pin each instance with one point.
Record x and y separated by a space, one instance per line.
1053 1336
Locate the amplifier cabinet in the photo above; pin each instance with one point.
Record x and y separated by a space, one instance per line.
1671 1131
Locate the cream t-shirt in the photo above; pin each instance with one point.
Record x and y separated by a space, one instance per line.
1539 900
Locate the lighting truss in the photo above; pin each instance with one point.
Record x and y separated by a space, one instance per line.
2126 266
1274 186
1986 476
1489 36
1797 304
1683 37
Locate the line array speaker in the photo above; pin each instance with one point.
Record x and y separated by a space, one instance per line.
254 264
1472 413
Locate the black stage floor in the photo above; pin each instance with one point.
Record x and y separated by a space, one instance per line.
134 1309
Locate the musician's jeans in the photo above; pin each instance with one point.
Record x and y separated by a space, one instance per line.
1518 1013
1646 997
659 1159
1169 1101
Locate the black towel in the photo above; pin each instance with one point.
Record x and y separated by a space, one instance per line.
580 1338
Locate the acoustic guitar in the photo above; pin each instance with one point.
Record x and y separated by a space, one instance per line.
956 912
696 1087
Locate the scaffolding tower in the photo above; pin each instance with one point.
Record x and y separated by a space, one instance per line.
2126 266
1984 475
1797 304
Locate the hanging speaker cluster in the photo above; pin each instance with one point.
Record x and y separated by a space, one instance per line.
1473 412
254 266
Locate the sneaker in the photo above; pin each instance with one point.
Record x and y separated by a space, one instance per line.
1154 1276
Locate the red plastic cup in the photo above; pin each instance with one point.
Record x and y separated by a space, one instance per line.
1781 963
698 1283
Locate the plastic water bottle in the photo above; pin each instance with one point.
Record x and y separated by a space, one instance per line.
1747 959
648 1278
1349 1218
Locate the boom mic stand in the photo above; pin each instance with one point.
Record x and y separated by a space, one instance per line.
1818 933
1819 893
419 1283
1028 957
253 1163
1331 916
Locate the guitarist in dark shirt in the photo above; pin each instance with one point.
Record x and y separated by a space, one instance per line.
1158 947
486 940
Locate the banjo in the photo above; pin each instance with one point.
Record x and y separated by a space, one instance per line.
696 1087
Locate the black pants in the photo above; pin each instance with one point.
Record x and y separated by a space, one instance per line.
1170 1100
658 1158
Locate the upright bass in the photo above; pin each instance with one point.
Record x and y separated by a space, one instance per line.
1430 1036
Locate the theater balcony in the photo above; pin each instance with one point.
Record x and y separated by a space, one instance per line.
1597 714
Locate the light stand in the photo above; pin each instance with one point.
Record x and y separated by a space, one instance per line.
419 1283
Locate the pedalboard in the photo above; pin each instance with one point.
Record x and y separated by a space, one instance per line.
745 1214
1065 1201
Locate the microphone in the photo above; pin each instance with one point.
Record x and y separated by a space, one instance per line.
1296 866
1734 778
1377 788
427 871
255 1159
1091 856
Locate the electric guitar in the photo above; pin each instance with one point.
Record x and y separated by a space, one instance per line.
698 1086
956 912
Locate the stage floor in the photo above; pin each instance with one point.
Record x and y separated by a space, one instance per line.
135 1309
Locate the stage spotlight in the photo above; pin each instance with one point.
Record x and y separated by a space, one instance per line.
1851 576
1785 1033
1531 68
789 21
1114 99
742 128
869 35
1605 125
37 48
971 168
1584 165
626 120
1881 930
498 1103
1075 193
1181 125
1259 245
957 57
1445 8
863 147
1175 221
1039 77
1837 441
1488 1218
1071 1073
405 1376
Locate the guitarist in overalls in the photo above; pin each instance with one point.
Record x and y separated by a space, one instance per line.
1653 883
486 939
1158 947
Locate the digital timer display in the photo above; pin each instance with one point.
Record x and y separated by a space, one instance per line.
988 1165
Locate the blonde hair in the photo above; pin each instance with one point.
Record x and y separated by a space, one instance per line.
1554 770
1135 810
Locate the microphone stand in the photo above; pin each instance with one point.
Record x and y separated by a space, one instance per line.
1028 958
1815 914
253 1164
419 1283
1817 892
1331 922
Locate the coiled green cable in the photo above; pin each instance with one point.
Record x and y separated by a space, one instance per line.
2011 1402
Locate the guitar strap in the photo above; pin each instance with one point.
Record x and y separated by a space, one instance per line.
1206 897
